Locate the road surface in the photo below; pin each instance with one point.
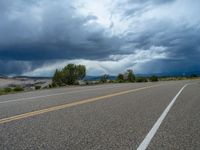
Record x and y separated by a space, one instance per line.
129 116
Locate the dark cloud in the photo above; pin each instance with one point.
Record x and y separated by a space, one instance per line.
17 67
172 67
7 68
56 33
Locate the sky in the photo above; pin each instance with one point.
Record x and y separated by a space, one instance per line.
107 36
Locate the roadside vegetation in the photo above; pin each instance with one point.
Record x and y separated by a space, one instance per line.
75 75
37 87
69 75
168 78
9 90
104 78
153 78
128 76
141 79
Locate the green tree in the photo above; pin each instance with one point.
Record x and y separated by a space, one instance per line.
104 78
130 76
120 78
81 72
69 75
57 78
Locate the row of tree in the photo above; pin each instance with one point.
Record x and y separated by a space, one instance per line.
72 73
128 76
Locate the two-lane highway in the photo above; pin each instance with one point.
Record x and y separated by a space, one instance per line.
112 116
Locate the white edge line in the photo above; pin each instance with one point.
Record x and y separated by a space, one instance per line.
156 126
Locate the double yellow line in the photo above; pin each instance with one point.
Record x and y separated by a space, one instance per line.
50 109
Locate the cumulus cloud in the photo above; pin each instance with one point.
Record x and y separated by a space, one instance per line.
107 36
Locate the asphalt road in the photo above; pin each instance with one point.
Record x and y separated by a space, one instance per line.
162 115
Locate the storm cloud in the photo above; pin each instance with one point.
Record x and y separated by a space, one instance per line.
148 36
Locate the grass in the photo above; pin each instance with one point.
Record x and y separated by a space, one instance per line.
8 90
18 89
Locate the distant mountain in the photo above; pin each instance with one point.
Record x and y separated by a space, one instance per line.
173 74
96 78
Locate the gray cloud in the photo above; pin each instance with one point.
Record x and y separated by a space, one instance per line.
50 31
41 32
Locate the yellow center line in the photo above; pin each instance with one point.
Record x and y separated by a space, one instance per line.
59 107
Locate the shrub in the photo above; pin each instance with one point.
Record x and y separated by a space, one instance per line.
153 78
18 89
7 90
193 76
141 79
54 84
110 81
37 87
50 86
120 78
1 91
